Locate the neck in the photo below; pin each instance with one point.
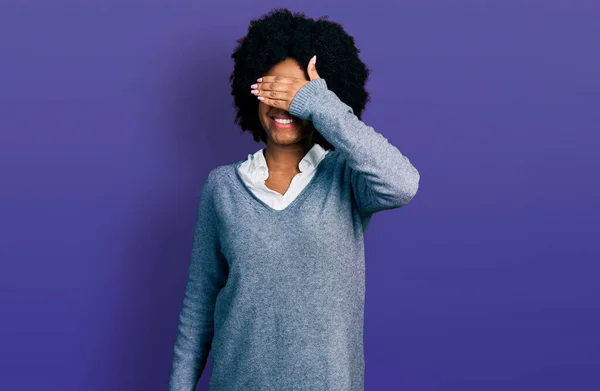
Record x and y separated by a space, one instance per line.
286 158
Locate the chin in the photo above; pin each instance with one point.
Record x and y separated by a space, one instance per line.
287 138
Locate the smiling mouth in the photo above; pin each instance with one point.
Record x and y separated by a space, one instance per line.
283 125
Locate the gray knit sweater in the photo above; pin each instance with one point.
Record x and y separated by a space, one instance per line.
277 296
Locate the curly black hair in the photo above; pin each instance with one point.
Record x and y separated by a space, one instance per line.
280 34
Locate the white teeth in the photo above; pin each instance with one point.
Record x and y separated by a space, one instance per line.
284 121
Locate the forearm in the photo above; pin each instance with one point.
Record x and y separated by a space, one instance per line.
382 177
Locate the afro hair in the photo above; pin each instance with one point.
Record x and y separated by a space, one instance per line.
280 34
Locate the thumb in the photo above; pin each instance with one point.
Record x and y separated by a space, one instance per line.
312 68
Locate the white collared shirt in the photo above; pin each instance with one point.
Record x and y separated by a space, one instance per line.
254 172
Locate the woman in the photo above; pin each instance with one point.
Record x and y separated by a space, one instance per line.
277 275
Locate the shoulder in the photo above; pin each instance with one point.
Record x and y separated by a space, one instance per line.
220 174
217 173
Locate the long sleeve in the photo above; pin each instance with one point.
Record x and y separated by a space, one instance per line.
382 177
207 274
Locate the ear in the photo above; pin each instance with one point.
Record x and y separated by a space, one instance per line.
312 68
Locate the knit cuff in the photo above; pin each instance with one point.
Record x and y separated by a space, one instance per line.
300 102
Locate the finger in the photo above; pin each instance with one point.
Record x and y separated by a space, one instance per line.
315 74
277 95
273 86
311 69
281 104
276 79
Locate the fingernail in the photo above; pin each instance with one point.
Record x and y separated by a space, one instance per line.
314 59
254 92
259 79
253 86
261 98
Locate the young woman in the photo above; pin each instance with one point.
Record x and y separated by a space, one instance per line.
276 282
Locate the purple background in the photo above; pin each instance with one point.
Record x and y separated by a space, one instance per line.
112 113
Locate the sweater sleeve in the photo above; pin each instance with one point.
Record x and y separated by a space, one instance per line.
207 274
381 176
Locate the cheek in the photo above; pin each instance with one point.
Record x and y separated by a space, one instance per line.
262 114
262 108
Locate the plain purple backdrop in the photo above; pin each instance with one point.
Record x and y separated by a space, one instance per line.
113 112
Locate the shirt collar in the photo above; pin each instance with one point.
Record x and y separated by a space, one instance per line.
259 168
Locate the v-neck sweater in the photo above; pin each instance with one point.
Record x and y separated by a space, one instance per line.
254 171
277 296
